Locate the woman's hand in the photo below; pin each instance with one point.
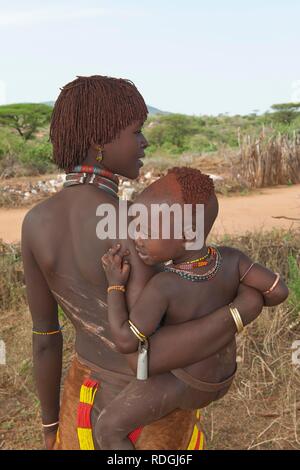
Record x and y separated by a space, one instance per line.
116 269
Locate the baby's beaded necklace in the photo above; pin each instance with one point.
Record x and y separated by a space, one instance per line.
196 263
197 277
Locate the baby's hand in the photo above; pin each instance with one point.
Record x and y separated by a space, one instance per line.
117 269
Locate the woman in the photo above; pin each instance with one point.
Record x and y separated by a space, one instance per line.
97 123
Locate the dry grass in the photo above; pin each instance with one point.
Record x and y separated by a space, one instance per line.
261 411
269 161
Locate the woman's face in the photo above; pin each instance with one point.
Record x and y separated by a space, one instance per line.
123 155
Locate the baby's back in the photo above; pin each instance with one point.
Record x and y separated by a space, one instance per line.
198 299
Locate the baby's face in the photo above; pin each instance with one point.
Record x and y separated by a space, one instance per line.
153 251
155 246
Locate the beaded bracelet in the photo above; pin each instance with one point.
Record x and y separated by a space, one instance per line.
120 288
47 332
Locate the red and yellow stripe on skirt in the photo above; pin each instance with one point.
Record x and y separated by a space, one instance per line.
84 427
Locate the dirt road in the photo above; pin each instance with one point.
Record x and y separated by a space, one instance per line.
267 208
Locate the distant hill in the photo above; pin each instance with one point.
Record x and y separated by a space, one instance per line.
151 109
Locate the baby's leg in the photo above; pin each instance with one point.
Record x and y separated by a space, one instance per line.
140 403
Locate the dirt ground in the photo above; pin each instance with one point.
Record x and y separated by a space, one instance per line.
264 209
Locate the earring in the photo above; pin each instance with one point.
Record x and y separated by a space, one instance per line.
99 157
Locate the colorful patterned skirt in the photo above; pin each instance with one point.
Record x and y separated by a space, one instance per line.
179 430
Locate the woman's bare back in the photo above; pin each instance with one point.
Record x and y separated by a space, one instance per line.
68 252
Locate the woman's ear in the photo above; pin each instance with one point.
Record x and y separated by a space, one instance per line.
93 150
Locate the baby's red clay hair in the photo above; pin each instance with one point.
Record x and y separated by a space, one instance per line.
196 187
184 185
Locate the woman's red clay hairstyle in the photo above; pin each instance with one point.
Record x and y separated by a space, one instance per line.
196 187
92 110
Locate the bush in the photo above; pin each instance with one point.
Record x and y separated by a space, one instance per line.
11 147
19 157
37 158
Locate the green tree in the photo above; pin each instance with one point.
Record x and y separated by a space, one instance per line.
25 118
172 131
285 113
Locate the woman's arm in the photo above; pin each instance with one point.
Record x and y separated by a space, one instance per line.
180 345
47 349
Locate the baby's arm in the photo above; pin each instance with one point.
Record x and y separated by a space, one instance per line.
272 287
146 312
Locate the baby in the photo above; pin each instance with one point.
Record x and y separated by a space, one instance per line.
196 283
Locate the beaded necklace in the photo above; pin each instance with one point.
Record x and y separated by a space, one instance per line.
197 277
99 177
196 263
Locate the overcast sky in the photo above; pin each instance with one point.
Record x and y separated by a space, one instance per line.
188 56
